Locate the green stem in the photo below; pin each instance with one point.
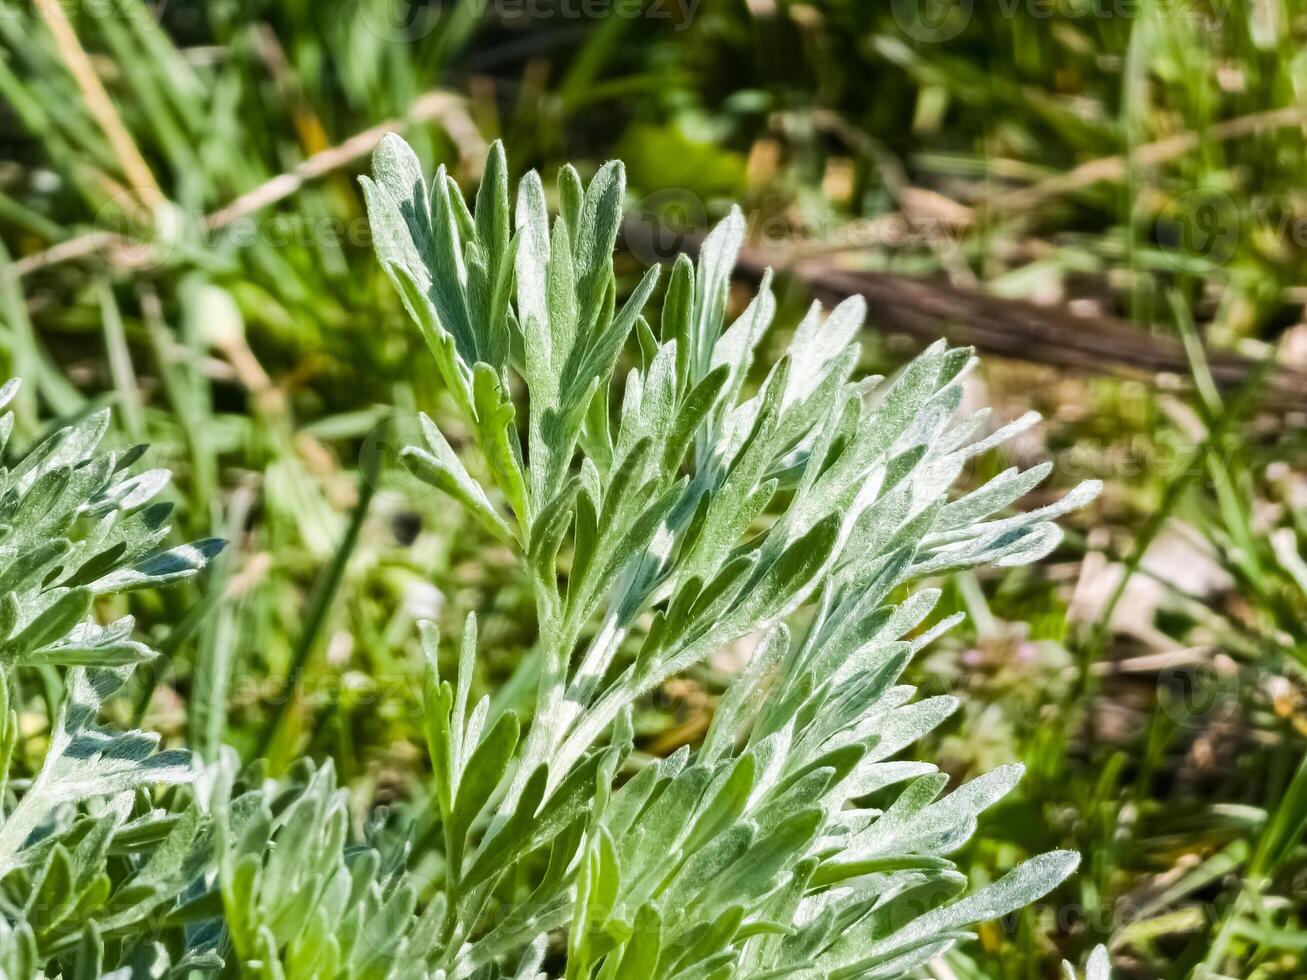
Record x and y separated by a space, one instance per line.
324 592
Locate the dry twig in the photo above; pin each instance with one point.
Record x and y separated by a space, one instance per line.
444 107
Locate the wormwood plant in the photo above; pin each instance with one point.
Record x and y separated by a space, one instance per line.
120 860
696 514
661 519
76 525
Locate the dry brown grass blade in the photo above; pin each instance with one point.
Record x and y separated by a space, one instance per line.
435 106
1017 329
98 103
1114 168
1026 331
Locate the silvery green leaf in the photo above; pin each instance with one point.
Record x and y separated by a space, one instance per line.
90 645
595 234
8 390
169 566
818 341
130 493
936 827
1098 966
1027 882
903 726
54 619
487 764
82 527
84 761
904 963
717 257
1079 496
66 447
19 956
820 495
744 695
442 468
1005 489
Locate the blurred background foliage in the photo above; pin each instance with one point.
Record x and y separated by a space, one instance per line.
181 236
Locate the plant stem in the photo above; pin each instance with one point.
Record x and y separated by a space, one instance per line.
324 592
